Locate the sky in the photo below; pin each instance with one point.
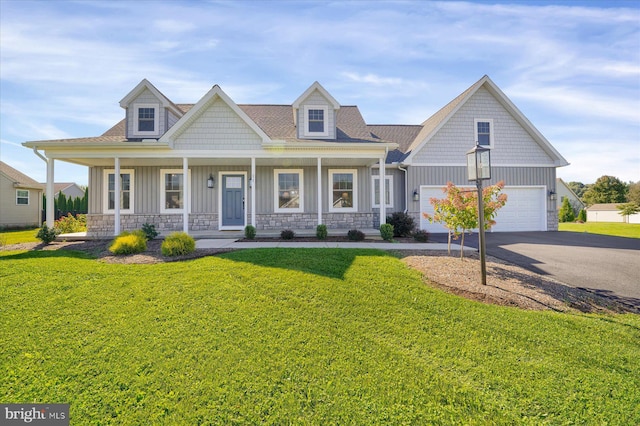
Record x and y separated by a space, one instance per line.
571 67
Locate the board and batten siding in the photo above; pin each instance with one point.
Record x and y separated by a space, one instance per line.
316 99
398 189
146 97
512 143
218 127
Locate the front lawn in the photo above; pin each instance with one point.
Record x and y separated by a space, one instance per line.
19 236
629 230
298 336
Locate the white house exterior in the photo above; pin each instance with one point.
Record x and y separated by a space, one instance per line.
563 191
217 165
20 199
609 213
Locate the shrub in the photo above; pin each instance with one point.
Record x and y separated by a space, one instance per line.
321 232
421 235
582 216
249 232
69 224
403 224
287 234
129 243
46 234
386 231
177 244
566 212
355 235
149 230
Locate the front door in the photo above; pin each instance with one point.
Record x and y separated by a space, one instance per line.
233 211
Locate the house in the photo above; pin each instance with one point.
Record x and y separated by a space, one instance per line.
609 213
21 196
69 189
563 191
216 165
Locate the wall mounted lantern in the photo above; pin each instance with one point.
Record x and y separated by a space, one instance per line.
552 195
416 195
211 182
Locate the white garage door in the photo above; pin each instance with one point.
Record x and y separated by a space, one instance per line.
525 210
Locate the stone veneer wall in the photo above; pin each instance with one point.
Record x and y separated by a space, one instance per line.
101 225
275 222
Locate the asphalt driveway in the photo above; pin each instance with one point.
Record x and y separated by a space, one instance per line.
606 265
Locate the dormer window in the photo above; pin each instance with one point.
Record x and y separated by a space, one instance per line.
316 120
146 119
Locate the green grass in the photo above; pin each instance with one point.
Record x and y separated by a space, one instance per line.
20 236
629 230
298 336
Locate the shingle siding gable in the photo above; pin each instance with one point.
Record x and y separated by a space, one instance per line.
513 145
316 99
146 97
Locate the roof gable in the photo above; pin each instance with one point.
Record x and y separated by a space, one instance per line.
316 86
18 178
434 123
216 93
146 84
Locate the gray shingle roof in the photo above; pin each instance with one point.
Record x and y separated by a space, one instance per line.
18 177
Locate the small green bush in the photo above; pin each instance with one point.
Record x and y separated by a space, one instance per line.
69 224
403 224
46 234
287 234
582 216
249 232
129 243
177 244
386 231
321 232
566 212
355 235
421 236
149 230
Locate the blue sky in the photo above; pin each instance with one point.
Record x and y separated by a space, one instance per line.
572 67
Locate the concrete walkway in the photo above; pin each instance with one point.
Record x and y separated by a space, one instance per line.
235 244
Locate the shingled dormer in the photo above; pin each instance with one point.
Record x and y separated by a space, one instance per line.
315 114
149 113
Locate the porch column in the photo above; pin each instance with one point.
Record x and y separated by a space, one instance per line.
383 200
319 191
252 184
51 215
187 195
116 192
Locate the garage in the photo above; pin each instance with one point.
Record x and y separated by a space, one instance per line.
526 209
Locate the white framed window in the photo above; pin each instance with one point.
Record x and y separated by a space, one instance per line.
388 191
146 119
172 186
343 196
289 196
22 197
316 120
483 131
126 191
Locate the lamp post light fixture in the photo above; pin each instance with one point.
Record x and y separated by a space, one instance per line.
479 169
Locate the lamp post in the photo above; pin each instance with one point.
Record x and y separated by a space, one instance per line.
479 169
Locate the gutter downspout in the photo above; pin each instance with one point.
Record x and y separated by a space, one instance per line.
50 213
406 188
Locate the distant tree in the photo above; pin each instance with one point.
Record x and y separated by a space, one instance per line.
61 201
633 196
566 211
582 216
607 189
578 188
628 209
69 204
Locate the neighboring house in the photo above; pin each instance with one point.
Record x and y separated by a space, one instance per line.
20 199
563 191
69 189
217 165
609 213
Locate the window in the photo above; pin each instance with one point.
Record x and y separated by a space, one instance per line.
388 191
146 119
484 132
288 191
22 197
172 191
126 191
316 120
344 195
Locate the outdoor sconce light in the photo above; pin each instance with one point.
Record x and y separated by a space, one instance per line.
211 182
479 169
552 195
416 195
